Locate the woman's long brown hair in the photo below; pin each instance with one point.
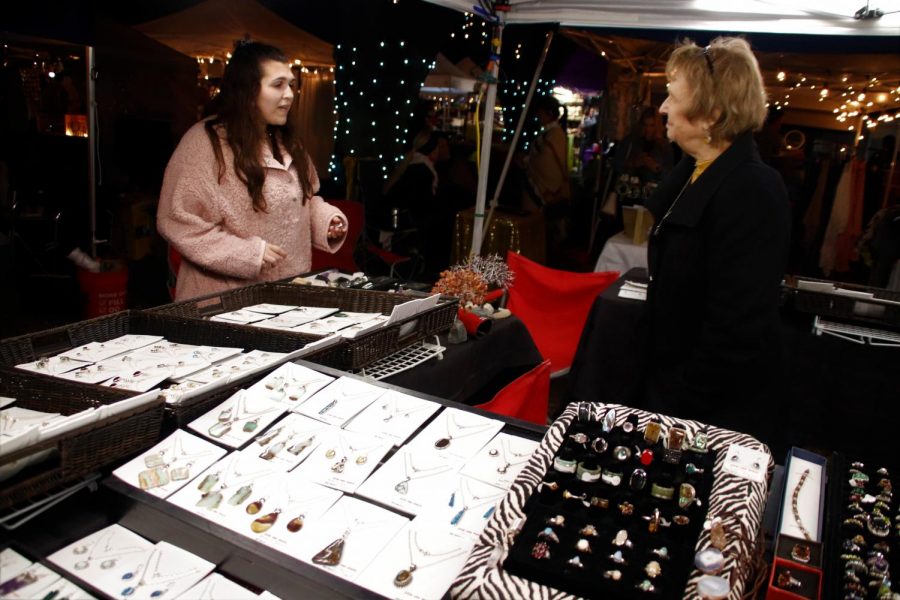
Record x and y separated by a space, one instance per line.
235 110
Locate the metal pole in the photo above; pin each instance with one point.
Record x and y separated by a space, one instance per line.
92 147
486 136
519 126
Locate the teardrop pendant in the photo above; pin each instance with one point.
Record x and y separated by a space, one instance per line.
264 523
240 495
301 446
331 554
255 507
296 524
272 451
250 426
208 482
402 487
219 429
458 517
330 453
488 512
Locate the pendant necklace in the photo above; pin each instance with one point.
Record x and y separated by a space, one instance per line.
159 472
265 522
473 502
671 207
344 395
405 576
26 578
156 578
331 554
268 437
506 451
236 413
361 458
403 486
396 409
273 450
444 442
211 497
108 555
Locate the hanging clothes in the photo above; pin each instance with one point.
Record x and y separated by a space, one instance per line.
845 221
813 213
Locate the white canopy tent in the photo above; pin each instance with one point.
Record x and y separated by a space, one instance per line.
799 17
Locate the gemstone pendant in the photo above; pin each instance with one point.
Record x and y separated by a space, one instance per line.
240 495
300 447
272 451
225 415
338 467
108 564
458 517
296 524
402 487
442 443
488 512
331 554
250 426
210 500
502 469
153 460
153 478
452 499
219 429
128 591
179 473
81 565
268 437
404 577
208 482
493 452
361 459
255 507
264 523
330 453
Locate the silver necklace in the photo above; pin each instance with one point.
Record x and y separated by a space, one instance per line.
671 206
405 576
107 556
403 486
474 502
444 442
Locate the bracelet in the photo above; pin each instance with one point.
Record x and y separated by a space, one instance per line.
662 492
585 474
563 465
795 509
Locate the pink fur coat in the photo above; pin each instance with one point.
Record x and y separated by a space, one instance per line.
213 225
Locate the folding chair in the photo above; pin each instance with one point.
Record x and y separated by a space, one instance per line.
554 305
526 397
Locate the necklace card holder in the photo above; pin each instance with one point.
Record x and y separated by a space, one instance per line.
167 571
241 316
16 420
467 506
288 442
239 419
501 460
343 459
270 309
456 434
217 587
11 562
170 464
340 401
101 557
412 482
236 367
394 416
283 508
291 384
100 351
419 563
348 537
226 489
53 365
35 581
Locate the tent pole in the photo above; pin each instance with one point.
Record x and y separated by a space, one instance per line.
486 137
92 147
515 141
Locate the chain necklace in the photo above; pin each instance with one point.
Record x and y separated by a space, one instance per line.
474 502
405 576
211 497
444 442
156 578
671 207
235 413
331 554
403 486
107 556
159 473
397 410
507 463
361 458
273 450
265 522
345 395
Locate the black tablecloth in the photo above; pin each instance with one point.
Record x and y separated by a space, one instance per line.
472 372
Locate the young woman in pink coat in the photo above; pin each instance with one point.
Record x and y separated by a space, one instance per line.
238 197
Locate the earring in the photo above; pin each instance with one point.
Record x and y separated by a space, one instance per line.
708 137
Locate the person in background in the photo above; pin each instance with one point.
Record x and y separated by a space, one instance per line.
718 249
645 152
238 195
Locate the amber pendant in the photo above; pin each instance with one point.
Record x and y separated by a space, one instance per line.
296 524
301 446
264 523
404 577
442 443
255 507
240 495
250 426
331 554
219 429
272 451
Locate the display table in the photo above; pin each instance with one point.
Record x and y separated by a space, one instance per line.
620 253
515 232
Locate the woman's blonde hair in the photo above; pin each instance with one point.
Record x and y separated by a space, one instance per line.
726 83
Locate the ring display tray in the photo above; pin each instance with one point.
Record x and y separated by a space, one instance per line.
403 360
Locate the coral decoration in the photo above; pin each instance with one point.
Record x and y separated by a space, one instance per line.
470 281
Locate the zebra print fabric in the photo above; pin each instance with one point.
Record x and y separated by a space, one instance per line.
738 501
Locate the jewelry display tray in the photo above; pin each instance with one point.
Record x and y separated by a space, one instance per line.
244 559
78 452
31 347
745 500
351 353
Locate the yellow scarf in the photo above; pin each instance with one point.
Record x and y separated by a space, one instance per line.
699 167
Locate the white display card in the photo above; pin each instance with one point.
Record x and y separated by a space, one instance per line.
145 376
291 384
33 582
217 587
343 459
239 316
359 317
364 327
166 572
177 392
314 312
65 589
289 441
237 366
214 354
326 325
101 371
53 365
746 462
98 351
11 563
170 464
409 481
501 460
807 499
165 350
467 507
349 536
103 556
456 433
341 401
394 416
271 309
6 401
289 503
238 420
226 489
15 420
438 553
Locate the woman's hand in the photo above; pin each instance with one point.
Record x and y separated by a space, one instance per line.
272 255
336 229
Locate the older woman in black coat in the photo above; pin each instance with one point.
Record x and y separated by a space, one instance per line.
718 248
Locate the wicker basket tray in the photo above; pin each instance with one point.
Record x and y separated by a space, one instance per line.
76 453
881 310
33 346
356 352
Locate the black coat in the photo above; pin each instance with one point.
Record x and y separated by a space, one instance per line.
716 263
